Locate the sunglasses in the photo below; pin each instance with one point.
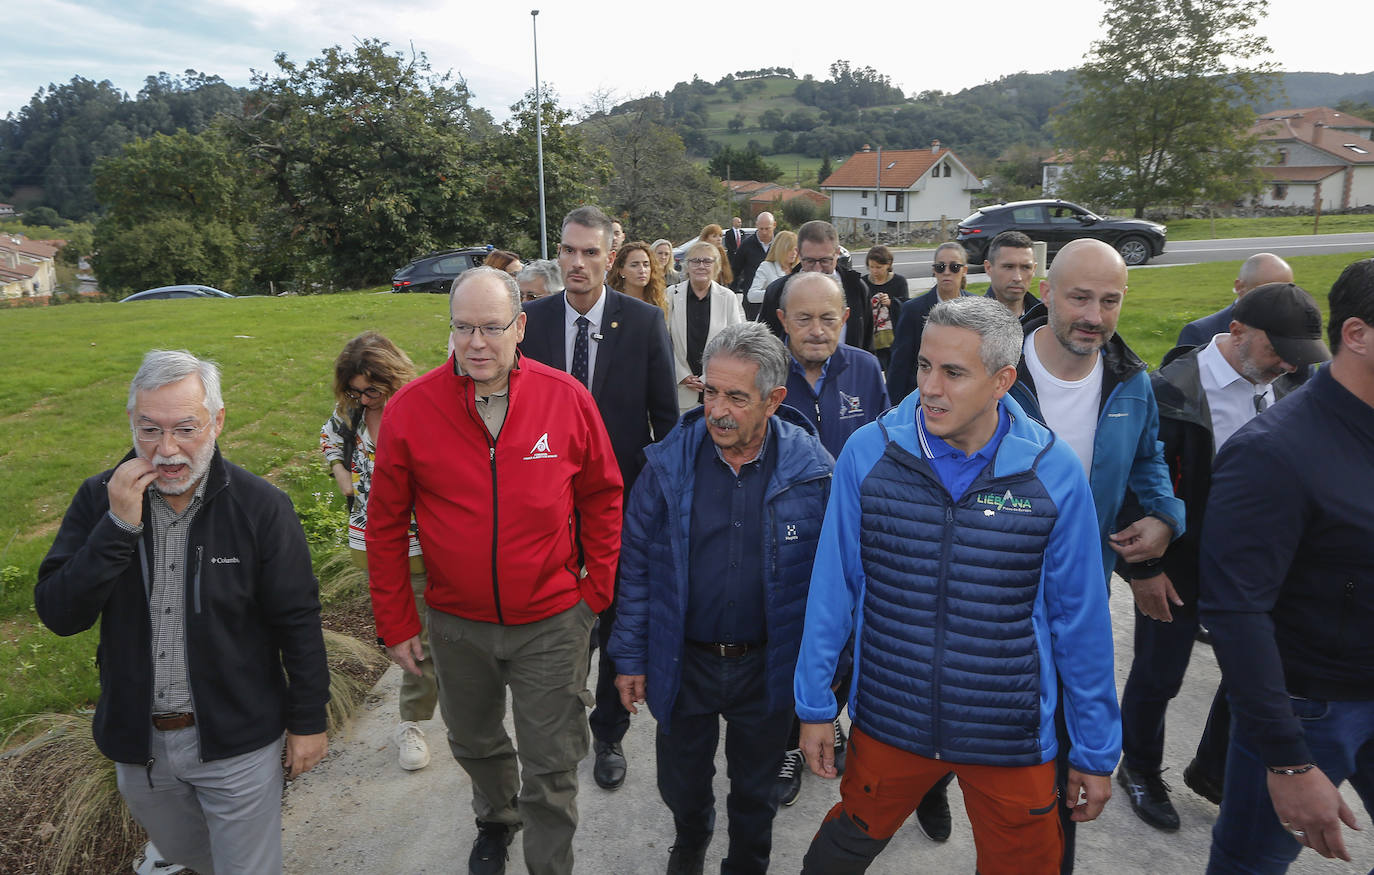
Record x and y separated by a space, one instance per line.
951 266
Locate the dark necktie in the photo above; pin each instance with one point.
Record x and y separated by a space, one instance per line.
579 362
1261 403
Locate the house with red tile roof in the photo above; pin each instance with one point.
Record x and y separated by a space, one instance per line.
893 189
27 267
773 199
1316 155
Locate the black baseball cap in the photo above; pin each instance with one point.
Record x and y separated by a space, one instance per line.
1290 317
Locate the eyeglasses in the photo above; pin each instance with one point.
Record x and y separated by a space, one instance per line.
149 434
491 332
699 262
371 393
824 263
952 266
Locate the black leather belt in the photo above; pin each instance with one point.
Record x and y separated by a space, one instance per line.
730 651
168 722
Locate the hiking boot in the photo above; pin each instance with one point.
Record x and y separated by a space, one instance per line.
932 815
414 751
790 776
687 858
609 769
489 852
1149 796
1200 782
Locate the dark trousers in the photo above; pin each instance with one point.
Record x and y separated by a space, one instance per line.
609 720
1248 837
1162 652
734 688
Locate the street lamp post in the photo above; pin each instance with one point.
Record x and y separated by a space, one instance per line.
539 137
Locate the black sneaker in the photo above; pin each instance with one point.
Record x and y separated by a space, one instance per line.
687 858
1201 783
489 852
1149 796
790 776
841 745
932 815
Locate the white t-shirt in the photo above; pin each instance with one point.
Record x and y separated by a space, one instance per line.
1069 407
1230 397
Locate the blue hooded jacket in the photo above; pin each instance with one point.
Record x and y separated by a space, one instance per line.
964 611
651 603
1127 452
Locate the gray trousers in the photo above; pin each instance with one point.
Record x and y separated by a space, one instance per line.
545 665
217 818
419 694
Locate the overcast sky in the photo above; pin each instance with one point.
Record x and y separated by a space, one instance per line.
587 47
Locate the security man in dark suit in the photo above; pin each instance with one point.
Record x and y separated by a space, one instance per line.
619 348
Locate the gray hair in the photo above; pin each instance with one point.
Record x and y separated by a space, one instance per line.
751 342
545 269
472 273
591 217
1001 332
163 367
800 277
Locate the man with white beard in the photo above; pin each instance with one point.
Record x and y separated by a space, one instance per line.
210 639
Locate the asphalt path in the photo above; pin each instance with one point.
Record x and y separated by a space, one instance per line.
915 263
358 812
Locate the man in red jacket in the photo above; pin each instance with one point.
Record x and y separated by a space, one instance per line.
518 498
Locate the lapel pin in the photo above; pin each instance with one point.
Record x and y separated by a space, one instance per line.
615 324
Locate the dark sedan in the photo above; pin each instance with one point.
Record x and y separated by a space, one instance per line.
435 273
1056 222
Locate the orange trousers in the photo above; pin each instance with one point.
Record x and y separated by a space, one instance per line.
1012 809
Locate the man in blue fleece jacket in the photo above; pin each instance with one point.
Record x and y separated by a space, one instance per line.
960 548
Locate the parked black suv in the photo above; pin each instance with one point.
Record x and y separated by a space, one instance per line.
1057 222
434 273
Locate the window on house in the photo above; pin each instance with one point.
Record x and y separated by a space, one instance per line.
863 211
1283 156
863 195
935 173
1280 192
895 202
947 171
1358 150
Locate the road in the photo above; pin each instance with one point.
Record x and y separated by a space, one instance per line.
915 263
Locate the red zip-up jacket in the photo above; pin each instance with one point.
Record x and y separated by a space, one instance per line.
499 518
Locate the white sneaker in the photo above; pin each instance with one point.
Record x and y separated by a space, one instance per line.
150 862
410 738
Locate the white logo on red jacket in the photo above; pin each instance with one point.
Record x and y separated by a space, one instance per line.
540 450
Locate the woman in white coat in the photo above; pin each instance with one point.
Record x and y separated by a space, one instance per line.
699 308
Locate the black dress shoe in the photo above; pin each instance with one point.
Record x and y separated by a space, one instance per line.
609 770
1201 783
932 815
1149 796
790 777
489 852
687 858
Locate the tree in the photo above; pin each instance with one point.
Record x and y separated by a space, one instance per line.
1160 110
178 210
825 170
734 163
368 158
736 123
508 199
653 186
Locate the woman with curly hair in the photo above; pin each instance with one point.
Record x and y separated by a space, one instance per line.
636 273
367 372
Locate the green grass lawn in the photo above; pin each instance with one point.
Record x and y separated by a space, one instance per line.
1266 226
63 387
